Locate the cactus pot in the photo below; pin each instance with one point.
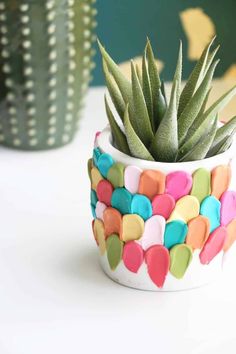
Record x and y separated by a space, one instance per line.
45 68
161 226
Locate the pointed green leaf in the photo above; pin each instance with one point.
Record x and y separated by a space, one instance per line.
212 111
121 81
224 131
147 89
140 79
165 143
214 150
204 105
178 74
194 105
224 147
114 92
159 105
211 57
118 136
141 113
199 151
195 79
163 91
136 146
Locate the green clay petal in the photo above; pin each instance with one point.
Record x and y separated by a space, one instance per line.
201 184
114 248
180 258
115 175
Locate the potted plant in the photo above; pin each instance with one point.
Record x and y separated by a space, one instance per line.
45 67
162 196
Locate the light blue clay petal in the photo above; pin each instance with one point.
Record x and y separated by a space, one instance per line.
93 198
142 206
175 233
96 154
105 162
93 211
121 200
210 208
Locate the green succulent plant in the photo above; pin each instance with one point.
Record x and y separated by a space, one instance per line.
152 127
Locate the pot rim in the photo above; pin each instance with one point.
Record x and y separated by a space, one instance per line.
105 144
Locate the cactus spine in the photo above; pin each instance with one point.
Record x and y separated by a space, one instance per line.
45 69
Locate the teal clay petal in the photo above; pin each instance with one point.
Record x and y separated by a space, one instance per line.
141 206
210 208
96 154
115 175
175 233
121 200
105 162
201 184
93 198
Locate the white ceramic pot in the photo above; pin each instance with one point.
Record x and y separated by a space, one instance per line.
197 274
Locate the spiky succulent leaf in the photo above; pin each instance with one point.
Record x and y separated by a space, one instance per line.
114 92
195 79
118 136
159 104
147 92
199 151
226 145
140 79
165 143
178 74
140 109
193 107
137 148
226 130
212 111
204 104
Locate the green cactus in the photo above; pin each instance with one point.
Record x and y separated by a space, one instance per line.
45 69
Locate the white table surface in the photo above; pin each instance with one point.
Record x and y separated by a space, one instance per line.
53 296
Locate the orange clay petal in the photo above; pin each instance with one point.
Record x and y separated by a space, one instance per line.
220 180
112 221
231 229
152 183
198 232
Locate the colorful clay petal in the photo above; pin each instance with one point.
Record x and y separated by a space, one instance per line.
175 233
99 234
114 248
142 206
158 263
154 230
121 200
213 245
178 184
96 139
90 166
131 178
220 180
201 184
104 192
99 210
112 221
96 154
210 208
198 232
132 227
228 207
133 256
116 175
96 177
104 163
186 209
180 258
231 235
93 211
163 204
151 183
93 198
